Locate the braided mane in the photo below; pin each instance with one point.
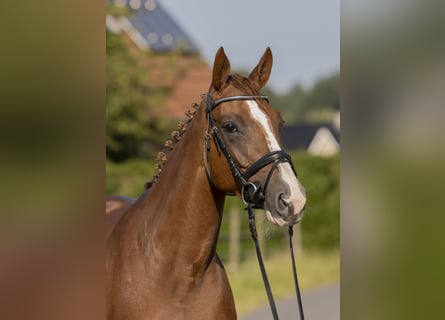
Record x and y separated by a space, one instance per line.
170 144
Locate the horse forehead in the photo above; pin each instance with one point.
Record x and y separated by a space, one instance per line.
258 115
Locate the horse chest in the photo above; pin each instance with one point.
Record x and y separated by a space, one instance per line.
175 297
214 299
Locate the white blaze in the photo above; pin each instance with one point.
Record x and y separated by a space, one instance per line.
258 115
297 196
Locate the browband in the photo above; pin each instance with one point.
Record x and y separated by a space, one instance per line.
210 106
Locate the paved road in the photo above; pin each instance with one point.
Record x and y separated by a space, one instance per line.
318 304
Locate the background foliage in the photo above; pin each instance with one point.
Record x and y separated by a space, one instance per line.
313 104
321 178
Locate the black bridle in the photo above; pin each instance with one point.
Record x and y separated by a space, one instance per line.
252 192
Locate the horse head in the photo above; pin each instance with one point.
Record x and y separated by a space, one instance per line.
244 154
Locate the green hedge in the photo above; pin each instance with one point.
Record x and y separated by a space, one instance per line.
321 178
319 175
128 178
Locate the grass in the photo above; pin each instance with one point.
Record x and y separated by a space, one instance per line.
315 269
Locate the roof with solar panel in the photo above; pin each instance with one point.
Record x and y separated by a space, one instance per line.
150 27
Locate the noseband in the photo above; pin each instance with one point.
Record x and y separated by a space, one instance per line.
251 192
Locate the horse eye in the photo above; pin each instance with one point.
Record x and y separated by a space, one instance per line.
229 127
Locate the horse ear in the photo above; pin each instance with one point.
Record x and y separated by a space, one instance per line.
261 73
221 69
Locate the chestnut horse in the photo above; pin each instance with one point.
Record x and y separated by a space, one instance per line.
161 260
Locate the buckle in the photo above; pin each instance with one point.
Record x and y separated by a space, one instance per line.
252 196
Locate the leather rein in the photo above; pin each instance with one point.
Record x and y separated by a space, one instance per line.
252 192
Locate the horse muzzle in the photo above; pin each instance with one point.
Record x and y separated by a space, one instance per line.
285 202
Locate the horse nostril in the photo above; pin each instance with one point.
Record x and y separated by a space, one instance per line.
282 205
282 201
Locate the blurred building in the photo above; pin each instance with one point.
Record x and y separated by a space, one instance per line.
150 27
321 139
173 61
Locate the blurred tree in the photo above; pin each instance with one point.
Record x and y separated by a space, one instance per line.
131 128
289 104
324 96
314 104
325 92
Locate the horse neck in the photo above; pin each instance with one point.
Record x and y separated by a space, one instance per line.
184 210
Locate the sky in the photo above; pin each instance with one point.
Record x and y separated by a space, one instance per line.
304 35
